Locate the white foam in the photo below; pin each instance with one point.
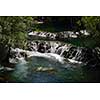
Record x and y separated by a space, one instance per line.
84 32
74 61
46 55
31 33
52 56
57 57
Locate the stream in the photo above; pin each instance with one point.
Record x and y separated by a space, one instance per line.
43 68
48 62
47 68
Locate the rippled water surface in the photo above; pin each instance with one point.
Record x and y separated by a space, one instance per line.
48 68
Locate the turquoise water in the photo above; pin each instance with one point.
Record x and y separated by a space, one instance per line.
47 70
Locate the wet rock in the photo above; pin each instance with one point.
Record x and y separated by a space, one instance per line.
44 69
41 48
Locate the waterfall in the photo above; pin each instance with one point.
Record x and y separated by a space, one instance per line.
34 54
53 36
54 46
78 54
72 51
62 49
48 49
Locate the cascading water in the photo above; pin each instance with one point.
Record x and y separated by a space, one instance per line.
44 66
47 61
78 54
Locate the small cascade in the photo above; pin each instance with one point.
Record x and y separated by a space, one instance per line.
52 36
62 49
71 53
78 54
54 47
24 54
48 48
43 46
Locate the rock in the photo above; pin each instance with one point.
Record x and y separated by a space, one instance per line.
44 69
41 48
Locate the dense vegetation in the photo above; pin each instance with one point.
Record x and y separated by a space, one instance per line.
14 33
14 28
73 23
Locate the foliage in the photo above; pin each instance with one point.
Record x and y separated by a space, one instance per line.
13 28
92 25
69 22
